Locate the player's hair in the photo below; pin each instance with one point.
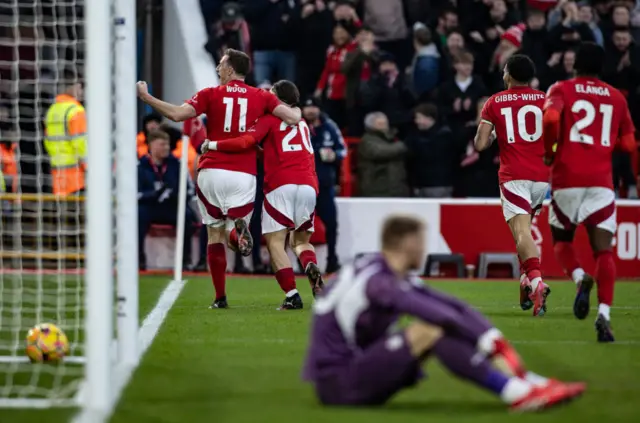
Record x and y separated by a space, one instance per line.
157 135
239 61
287 92
521 68
589 59
427 109
463 57
397 227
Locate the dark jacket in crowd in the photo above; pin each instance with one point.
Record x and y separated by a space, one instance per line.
393 98
536 45
327 135
354 67
432 157
153 181
448 95
381 166
564 37
273 25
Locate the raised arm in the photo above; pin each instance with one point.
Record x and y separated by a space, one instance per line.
170 111
553 106
290 115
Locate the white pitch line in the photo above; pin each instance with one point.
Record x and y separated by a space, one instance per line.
146 334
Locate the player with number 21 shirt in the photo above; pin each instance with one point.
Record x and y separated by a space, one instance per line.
516 116
584 120
290 188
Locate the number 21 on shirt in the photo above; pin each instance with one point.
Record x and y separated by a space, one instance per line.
229 103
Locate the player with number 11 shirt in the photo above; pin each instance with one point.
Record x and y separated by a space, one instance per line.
290 188
585 119
226 183
516 116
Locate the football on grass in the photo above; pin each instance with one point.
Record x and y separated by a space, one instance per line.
46 343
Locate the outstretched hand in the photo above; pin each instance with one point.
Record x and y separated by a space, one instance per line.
142 89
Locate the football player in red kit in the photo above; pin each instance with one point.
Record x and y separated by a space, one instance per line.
584 120
516 117
290 187
226 183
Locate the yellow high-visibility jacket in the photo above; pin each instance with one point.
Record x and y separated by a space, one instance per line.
66 142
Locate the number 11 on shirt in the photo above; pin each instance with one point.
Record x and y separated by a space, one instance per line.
229 103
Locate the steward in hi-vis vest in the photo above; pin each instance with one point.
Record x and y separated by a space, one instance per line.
66 140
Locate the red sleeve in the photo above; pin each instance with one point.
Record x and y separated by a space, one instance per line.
261 128
550 130
487 112
271 101
627 143
237 144
201 100
555 98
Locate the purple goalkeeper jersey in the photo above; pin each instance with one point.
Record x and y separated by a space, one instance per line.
357 309
362 305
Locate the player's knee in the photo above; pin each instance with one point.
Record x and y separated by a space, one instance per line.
215 235
421 337
601 240
561 235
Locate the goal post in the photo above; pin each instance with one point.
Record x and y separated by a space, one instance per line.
70 260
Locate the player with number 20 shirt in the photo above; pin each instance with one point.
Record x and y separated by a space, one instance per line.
516 116
290 188
584 120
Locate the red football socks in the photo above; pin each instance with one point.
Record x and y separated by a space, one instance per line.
532 268
306 257
605 276
217 260
286 279
566 256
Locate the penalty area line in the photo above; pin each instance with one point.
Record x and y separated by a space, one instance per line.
146 334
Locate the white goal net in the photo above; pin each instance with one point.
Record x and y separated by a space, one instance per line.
51 245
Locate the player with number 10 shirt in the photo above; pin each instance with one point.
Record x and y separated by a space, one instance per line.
516 116
585 119
290 187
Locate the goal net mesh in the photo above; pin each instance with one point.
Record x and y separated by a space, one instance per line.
42 46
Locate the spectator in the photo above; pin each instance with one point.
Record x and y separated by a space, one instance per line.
150 123
478 173
381 160
447 21
329 149
585 15
425 70
357 67
432 155
274 26
387 91
458 95
571 31
535 41
315 35
332 79
623 176
510 43
387 21
231 31
622 65
561 67
158 186
454 45
620 18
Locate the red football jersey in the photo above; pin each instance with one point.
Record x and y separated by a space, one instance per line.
230 109
594 115
516 116
288 153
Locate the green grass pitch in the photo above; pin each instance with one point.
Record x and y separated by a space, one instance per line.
243 364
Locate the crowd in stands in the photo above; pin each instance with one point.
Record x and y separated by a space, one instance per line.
407 78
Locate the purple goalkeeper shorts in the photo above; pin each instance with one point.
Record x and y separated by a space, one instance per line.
372 376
